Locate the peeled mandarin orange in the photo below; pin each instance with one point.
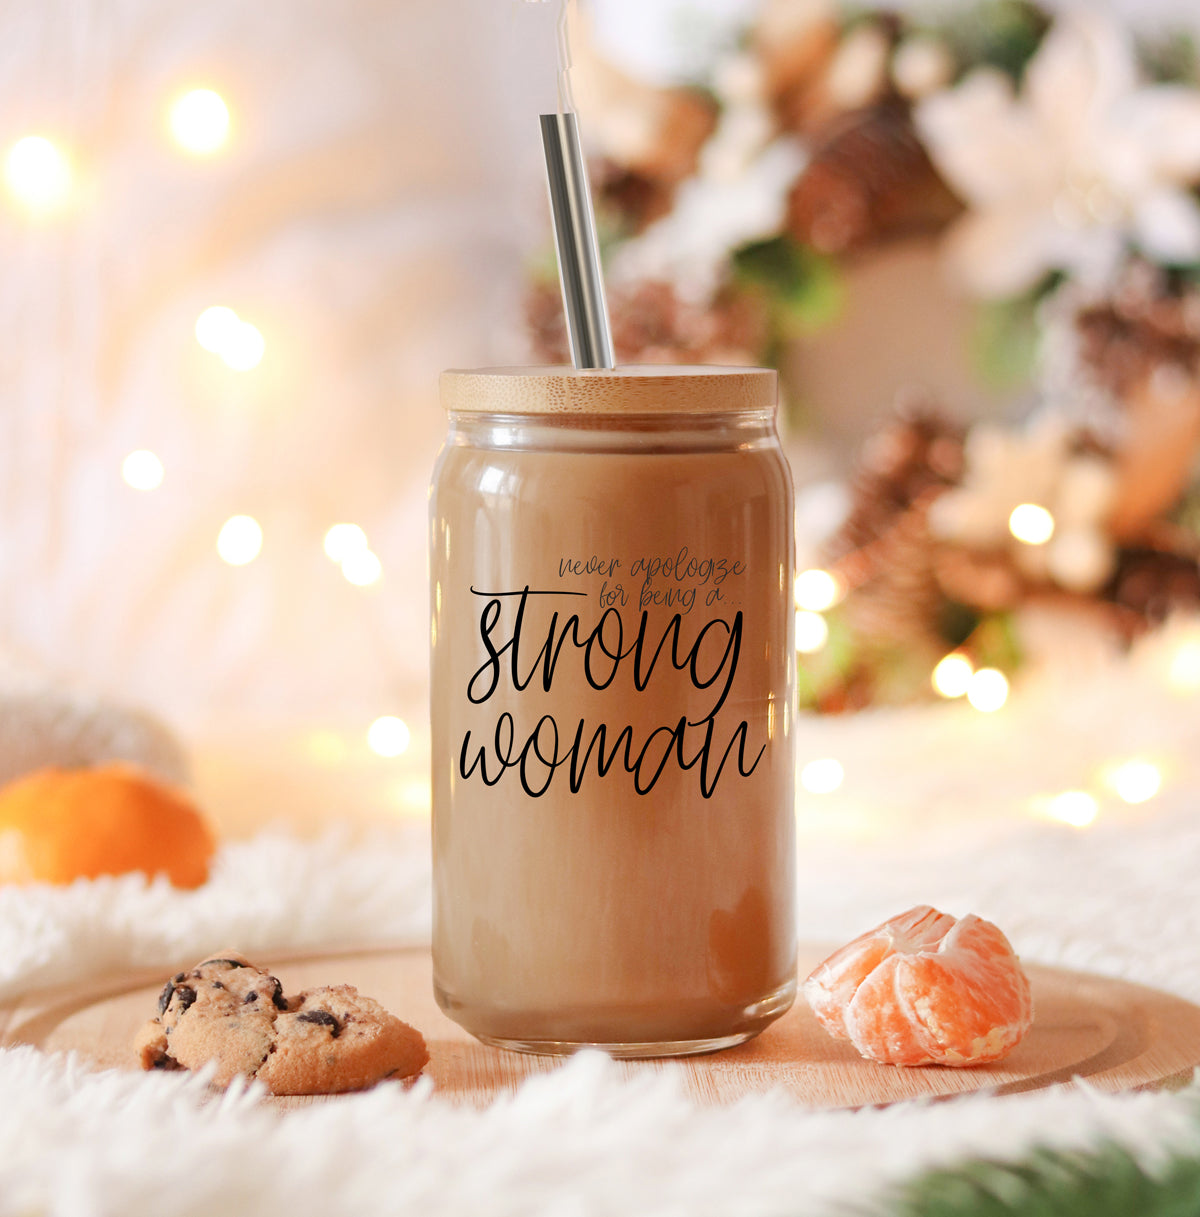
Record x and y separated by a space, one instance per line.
58 825
925 989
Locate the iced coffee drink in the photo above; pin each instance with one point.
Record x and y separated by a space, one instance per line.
612 683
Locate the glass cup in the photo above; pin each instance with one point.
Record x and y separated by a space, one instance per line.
612 709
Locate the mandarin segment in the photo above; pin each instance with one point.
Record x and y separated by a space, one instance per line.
840 977
880 1021
833 984
925 989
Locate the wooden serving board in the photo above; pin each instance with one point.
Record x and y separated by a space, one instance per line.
1117 1035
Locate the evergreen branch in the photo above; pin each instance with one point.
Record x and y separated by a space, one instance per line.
1105 1182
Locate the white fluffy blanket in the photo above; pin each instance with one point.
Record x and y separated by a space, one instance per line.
582 1140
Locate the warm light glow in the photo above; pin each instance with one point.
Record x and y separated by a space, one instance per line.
1031 524
342 540
142 470
222 331
200 122
243 347
389 736
414 796
987 690
1135 781
952 676
327 747
239 540
822 777
818 590
812 632
1184 673
214 327
1074 807
362 568
37 174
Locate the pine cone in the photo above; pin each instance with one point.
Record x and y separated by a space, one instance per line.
1156 583
634 197
989 582
651 324
546 325
1142 347
869 180
635 189
796 49
916 453
896 601
1127 338
885 552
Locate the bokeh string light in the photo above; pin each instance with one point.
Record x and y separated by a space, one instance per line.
243 347
817 591
952 676
199 122
39 178
142 470
214 326
389 736
342 540
1075 807
987 690
38 175
238 343
1031 524
812 632
240 540
822 776
1134 781
955 675
362 568
347 545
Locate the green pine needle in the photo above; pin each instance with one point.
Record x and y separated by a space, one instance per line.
804 287
1005 342
1170 58
1002 34
1107 1182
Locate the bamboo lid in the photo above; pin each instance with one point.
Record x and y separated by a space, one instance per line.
635 389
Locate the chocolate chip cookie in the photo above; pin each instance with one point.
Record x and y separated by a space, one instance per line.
321 1041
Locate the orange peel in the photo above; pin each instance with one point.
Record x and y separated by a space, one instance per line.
58 825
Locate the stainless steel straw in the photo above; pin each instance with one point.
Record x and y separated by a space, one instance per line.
578 250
